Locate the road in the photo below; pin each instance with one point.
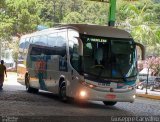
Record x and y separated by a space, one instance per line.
15 101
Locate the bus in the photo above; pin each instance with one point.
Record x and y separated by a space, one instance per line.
80 61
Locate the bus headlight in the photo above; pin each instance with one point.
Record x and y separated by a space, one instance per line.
87 84
134 96
130 87
83 94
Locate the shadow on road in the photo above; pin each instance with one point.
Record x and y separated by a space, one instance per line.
13 88
82 104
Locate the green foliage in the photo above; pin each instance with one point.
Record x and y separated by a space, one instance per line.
2 3
141 18
74 17
14 46
25 14
95 13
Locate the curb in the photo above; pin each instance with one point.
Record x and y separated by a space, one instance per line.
148 96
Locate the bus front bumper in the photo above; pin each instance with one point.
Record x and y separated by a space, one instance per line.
120 95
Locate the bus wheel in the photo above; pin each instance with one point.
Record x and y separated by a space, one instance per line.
62 93
31 90
28 88
109 103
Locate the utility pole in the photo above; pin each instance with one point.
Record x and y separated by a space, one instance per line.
112 12
0 48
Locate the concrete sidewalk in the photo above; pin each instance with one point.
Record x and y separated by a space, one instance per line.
150 94
11 84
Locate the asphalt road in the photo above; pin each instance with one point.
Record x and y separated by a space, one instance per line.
16 102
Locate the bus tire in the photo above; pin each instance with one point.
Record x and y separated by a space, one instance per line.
28 88
62 92
109 103
32 90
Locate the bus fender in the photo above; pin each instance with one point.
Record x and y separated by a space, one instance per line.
61 81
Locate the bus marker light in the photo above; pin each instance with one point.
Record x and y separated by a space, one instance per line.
91 86
82 82
130 88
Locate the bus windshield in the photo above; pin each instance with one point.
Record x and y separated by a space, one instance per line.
108 58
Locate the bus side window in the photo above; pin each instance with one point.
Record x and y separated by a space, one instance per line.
74 56
21 49
52 40
43 40
61 43
61 50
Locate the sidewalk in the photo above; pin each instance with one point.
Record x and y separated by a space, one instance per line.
11 84
150 94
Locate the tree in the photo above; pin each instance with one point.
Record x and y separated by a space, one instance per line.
25 14
74 17
2 4
18 16
95 13
153 63
5 30
141 20
14 46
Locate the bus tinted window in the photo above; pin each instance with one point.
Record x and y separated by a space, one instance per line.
22 43
37 40
61 39
74 56
23 48
38 50
52 40
43 40
27 43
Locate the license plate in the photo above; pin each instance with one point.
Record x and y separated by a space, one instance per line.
110 96
113 85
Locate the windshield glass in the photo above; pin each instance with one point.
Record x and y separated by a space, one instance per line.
108 58
123 58
95 56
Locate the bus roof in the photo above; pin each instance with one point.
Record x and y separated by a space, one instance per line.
96 30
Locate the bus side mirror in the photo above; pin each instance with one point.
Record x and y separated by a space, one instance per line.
142 50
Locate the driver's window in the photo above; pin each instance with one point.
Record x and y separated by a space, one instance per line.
88 49
99 56
74 56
